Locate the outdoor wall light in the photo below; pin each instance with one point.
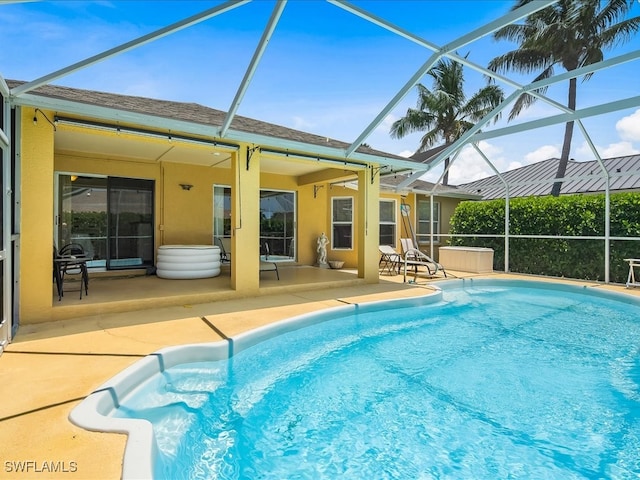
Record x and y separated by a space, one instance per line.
35 118
186 186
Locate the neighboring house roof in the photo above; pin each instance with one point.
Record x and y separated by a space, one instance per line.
192 113
537 179
428 155
427 188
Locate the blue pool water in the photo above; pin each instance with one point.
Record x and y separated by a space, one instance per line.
491 383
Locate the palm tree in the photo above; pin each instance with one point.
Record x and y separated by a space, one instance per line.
570 34
444 111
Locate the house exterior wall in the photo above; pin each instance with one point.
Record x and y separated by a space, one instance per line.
182 216
36 221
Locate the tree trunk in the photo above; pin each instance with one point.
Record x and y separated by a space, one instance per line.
445 178
566 145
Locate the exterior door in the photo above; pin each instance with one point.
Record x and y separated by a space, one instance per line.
111 217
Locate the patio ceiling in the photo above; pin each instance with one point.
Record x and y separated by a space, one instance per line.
82 142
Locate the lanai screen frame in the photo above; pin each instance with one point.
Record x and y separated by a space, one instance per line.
16 96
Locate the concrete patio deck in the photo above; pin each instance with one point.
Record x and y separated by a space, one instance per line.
51 367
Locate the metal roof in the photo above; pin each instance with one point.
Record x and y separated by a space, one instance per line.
581 177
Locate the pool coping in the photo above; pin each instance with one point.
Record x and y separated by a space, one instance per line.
141 449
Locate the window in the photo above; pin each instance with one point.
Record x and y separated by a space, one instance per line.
424 221
221 211
342 223
388 222
278 221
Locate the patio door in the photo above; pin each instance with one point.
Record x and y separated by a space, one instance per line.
111 217
278 222
277 219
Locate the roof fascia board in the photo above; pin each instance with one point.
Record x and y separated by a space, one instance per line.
561 118
510 17
257 56
115 115
448 194
162 32
266 141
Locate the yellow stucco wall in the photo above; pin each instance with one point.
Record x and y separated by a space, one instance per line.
36 221
185 216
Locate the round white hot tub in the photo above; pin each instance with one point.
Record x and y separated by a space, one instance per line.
188 261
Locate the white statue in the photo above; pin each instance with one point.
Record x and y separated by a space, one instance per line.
322 249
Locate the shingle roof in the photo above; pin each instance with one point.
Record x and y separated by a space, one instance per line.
190 112
525 181
421 186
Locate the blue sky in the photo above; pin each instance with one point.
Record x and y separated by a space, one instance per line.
325 70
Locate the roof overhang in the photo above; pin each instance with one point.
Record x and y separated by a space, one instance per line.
117 116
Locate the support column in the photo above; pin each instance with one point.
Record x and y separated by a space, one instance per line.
36 223
245 218
368 229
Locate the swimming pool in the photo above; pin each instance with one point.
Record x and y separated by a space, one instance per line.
492 380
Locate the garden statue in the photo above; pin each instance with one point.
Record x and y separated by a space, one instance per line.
322 250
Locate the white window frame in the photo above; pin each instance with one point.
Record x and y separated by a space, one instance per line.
342 222
394 222
426 237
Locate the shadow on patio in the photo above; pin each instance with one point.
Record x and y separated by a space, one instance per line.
110 294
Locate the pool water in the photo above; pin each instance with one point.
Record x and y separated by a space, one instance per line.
491 383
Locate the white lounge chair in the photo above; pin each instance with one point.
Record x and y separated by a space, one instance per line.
415 258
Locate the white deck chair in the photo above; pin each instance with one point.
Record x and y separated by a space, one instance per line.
413 257
390 260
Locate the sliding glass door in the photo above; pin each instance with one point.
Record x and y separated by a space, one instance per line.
111 217
278 221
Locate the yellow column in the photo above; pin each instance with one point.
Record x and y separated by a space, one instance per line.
245 218
36 222
368 225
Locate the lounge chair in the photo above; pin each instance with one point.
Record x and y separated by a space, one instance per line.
390 260
414 258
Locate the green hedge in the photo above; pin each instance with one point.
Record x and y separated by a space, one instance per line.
575 215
